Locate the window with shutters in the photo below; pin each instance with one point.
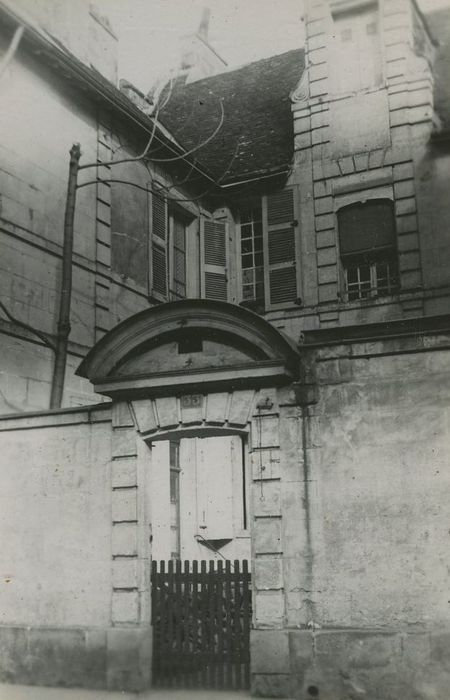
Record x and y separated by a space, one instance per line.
169 250
268 251
356 61
159 247
177 258
252 255
368 249
214 255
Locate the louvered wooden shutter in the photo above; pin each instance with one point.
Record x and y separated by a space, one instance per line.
280 222
159 246
214 248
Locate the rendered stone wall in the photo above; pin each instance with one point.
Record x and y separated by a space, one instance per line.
374 608
33 184
79 27
55 527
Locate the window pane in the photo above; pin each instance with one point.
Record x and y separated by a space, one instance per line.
179 233
247 276
246 245
364 273
352 274
258 244
247 261
252 256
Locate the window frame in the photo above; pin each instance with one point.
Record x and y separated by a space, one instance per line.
373 257
172 210
250 302
268 267
176 212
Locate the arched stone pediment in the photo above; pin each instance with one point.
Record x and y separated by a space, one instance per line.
190 344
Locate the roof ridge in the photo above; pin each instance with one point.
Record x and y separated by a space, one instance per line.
245 65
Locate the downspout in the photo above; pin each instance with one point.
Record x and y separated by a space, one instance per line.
63 329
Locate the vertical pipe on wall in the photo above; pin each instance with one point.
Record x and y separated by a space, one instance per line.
63 330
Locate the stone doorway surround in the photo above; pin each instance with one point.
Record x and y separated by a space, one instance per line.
237 379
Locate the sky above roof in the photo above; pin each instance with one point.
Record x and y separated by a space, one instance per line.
241 31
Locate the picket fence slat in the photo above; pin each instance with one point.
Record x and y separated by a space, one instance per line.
201 620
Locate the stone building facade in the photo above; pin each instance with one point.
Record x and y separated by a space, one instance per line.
315 329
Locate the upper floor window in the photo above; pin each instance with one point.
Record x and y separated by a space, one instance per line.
169 250
268 251
356 61
177 281
252 256
368 249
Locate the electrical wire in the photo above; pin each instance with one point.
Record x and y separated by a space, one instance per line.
132 158
147 147
27 327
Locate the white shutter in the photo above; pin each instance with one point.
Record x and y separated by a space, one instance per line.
158 247
215 488
214 256
280 222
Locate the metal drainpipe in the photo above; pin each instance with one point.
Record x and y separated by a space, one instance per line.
59 368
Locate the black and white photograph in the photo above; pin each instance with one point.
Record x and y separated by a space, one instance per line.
224 349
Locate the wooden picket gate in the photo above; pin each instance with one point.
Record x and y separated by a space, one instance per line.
201 624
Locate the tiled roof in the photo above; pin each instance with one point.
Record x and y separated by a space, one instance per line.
257 132
439 24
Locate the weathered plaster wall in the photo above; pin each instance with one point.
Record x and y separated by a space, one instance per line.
34 152
55 526
33 183
364 551
79 27
432 177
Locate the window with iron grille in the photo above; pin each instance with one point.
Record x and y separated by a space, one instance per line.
368 249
